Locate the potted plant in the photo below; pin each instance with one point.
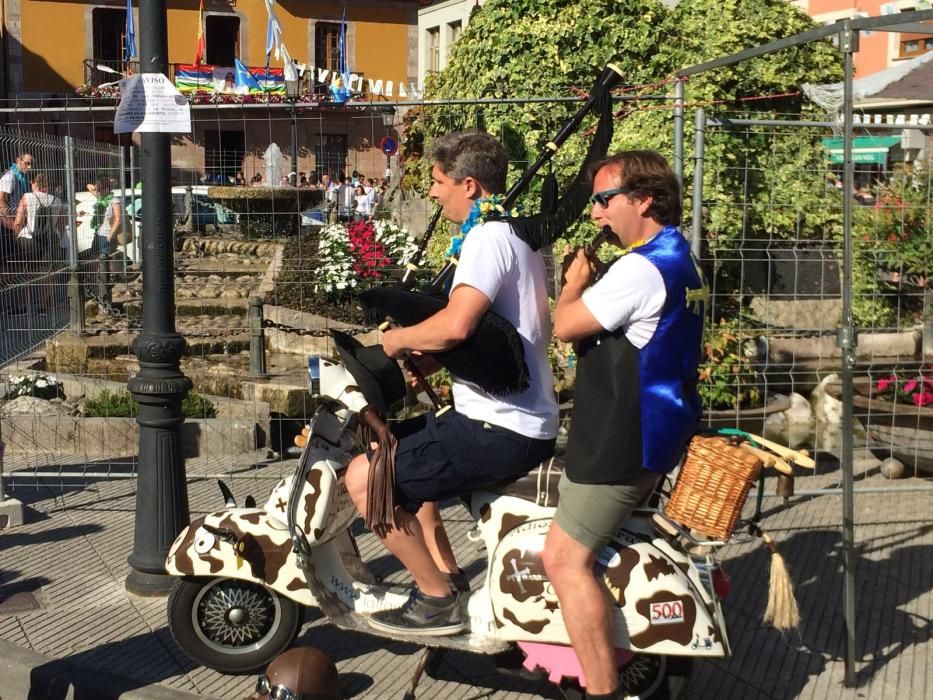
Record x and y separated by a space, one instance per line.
731 387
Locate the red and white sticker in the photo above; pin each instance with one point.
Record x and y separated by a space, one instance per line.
667 613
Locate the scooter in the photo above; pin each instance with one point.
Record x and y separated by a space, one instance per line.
246 574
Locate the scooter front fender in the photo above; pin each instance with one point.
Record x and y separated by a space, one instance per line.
251 546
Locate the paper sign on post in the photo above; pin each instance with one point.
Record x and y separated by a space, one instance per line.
150 103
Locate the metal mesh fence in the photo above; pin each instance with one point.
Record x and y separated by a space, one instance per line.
254 218
772 239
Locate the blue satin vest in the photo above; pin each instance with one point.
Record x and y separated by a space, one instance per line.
637 408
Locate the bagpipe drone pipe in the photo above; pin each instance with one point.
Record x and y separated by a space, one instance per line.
493 357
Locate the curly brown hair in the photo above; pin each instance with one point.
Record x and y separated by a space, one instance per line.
644 174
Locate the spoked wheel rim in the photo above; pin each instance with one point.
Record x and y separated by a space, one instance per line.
643 675
235 617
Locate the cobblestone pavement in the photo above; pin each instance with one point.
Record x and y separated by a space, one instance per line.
72 555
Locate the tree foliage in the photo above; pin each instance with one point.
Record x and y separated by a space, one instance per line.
519 48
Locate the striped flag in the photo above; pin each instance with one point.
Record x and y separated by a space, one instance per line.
199 52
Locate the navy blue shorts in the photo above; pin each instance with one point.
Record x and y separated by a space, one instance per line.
451 455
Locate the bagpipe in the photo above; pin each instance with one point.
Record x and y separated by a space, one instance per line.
493 357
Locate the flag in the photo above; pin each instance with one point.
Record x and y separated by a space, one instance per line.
194 77
199 52
244 81
130 31
275 43
340 87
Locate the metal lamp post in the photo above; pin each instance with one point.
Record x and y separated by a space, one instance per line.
159 387
388 121
292 86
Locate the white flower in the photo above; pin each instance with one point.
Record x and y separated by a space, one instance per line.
41 383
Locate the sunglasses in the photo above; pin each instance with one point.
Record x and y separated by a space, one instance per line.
602 198
275 692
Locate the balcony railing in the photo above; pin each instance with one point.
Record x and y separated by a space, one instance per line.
95 76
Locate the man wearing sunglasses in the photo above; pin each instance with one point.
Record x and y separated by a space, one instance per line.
638 330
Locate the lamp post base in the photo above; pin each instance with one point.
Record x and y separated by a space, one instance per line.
149 585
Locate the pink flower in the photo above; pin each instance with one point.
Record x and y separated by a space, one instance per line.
885 382
910 386
923 399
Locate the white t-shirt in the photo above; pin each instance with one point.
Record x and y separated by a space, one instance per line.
503 267
6 182
631 295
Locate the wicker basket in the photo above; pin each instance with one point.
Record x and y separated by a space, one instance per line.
712 486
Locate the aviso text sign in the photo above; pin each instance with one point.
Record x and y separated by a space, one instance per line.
149 102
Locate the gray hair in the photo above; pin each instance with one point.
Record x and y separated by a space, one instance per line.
475 154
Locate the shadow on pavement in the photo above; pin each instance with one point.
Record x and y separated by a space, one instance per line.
784 665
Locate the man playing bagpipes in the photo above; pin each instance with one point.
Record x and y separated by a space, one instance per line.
639 330
488 438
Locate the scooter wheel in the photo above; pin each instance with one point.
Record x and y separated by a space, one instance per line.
230 625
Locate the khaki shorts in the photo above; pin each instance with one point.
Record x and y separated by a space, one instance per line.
592 513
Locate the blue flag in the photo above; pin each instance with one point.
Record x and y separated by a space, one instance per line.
243 80
340 86
130 31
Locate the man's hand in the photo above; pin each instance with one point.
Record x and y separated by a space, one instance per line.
426 364
392 343
579 272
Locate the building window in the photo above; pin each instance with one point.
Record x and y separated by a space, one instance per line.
911 45
327 46
222 34
433 62
454 30
330 155
223 154
109 27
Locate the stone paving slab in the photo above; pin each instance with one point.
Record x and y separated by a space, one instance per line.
74 548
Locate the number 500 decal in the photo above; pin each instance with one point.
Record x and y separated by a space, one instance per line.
667 613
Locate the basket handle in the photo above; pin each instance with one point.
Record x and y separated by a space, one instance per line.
799 457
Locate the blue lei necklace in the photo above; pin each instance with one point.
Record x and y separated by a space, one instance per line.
483 210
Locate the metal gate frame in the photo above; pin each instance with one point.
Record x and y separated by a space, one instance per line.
846 33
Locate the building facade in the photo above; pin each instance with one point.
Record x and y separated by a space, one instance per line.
51 48
440 24
877 50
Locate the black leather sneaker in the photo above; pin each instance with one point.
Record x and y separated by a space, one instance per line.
422 615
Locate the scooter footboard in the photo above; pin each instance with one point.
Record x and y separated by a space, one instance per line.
240 543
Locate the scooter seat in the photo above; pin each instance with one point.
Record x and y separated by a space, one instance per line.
539 485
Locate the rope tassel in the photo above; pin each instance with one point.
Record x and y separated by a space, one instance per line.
380 495
781 612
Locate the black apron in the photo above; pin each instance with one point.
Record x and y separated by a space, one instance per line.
605 445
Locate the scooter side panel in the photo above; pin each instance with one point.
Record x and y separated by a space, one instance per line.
324 507
258 550
658 607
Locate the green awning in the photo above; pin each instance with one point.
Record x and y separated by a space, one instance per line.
865 149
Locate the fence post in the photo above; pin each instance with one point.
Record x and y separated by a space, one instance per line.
679 131
75 288
927 349
699 144
11 509
257 340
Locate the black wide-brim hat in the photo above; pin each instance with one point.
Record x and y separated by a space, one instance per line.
493 357
377 375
